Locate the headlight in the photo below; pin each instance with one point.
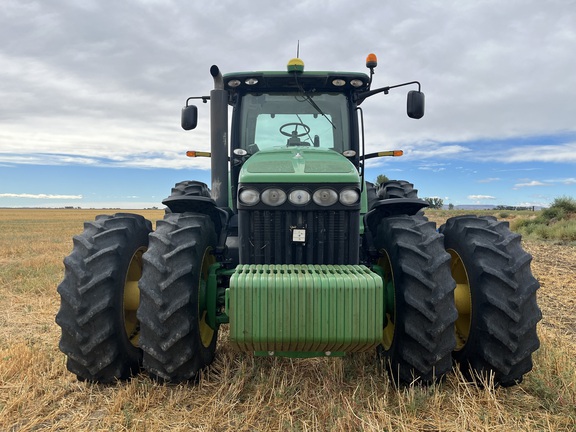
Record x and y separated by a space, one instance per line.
274 197
325 197
349 196
299 197
249 197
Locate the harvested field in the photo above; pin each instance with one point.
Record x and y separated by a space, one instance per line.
555 267
240 392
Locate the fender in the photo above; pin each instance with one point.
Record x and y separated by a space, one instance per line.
204 205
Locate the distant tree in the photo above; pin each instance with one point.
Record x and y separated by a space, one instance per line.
435 202
561 209
381 179
566 203
450 206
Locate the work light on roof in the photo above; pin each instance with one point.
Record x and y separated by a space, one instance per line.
356 83
339 82
251 81
234 83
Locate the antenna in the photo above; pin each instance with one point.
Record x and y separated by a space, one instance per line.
298 49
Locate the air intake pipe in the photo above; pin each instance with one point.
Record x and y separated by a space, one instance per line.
219 139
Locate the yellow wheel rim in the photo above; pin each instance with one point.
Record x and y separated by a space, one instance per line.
206 332
131 297
389 327
462 299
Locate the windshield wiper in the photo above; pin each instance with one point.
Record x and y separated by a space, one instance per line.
314 104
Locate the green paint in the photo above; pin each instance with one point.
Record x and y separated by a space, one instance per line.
298 165
305 308
212 291
299 354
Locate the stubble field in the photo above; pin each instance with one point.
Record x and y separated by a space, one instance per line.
240 392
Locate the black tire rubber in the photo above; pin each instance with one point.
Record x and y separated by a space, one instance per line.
502 335
190 188
170 288
397 189
91 312
371 195
424 316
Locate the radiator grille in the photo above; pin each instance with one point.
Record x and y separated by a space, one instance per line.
266 237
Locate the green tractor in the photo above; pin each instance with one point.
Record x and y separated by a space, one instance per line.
297 253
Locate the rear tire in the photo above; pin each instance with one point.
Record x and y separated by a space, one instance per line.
496 285
418 335
175 338
397 189
190 188
99 326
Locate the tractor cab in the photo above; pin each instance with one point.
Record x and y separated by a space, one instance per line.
275 110
295 109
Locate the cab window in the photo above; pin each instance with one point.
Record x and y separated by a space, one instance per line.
279 120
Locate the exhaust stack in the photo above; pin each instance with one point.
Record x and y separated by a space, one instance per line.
219 139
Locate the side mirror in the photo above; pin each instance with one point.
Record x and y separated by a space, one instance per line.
415 104
189 117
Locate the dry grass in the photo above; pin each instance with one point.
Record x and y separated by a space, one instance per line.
240 392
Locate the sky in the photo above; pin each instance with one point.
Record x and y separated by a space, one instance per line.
91 92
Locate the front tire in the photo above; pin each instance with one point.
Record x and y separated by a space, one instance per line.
418 334
495 297
99 298
176 340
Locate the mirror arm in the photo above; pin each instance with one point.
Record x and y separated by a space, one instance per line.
405 84
361 96
205 99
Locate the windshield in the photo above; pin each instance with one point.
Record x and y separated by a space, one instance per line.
287 119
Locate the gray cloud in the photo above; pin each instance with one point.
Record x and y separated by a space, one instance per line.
103 82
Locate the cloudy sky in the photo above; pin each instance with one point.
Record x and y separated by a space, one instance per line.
91 91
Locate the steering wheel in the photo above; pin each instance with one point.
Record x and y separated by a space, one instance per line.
295 132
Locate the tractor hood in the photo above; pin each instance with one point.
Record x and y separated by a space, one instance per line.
298 165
